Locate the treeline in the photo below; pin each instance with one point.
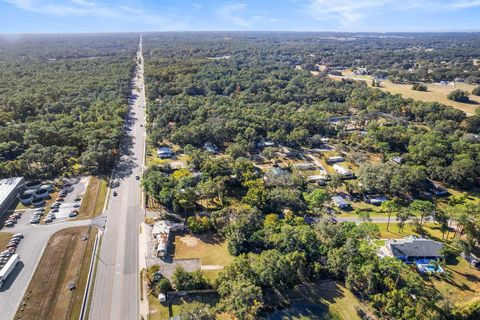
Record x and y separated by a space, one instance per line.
63 99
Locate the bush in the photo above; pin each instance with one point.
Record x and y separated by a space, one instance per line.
199 224
163 286
419 87
185 280
476 91
458 95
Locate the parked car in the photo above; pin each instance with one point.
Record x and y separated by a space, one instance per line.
114 193
54 210
18 235
34 221
72 214
76 205
47 220
78 199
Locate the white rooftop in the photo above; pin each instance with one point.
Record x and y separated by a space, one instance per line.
7 186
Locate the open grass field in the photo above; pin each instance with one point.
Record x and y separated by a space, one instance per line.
208 248
66 259
94 198
4 239
461 284
435 93
324 300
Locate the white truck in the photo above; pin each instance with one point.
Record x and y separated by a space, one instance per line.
8 268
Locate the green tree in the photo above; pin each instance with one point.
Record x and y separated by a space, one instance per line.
316 200
458 95
423 207
196 311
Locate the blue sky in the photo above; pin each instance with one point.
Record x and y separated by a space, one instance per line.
295 15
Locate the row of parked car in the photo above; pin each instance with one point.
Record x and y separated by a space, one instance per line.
54 208
11 248
12 219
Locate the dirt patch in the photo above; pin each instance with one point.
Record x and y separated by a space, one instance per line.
4 239
189 241
48 295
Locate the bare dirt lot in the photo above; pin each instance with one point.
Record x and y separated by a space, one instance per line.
65 260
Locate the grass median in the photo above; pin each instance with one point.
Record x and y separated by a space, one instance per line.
65 261
94 198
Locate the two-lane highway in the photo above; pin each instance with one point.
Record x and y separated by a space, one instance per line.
116 287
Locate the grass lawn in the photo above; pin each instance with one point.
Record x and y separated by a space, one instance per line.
432 229
159 311
324 300
94 198
4 239
208 248
461 285
63 261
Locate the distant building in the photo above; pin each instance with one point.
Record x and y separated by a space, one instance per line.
335 159
210 147
376 200
161 232
398 160
412 248
264 144
9 190
340 203
164 152
342 171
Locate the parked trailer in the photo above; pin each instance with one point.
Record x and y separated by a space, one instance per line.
8 268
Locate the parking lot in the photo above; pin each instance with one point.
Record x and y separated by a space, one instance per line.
31 247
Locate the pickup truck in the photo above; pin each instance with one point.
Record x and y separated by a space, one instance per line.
8 268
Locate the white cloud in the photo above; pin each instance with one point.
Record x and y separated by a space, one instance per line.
347 12
232 13
93 8
239 14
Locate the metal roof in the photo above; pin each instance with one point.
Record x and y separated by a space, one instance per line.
7 186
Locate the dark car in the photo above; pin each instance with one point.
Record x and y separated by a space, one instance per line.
137 177
114 193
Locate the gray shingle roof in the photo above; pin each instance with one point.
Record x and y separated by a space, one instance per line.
415 247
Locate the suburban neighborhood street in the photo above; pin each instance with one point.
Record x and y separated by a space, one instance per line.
116 287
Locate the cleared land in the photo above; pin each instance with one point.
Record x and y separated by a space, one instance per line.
435 93
65 260
94 198
208 248
324 300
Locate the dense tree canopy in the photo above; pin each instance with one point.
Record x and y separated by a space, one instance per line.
63 100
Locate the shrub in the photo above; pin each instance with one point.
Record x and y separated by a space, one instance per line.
185 280
476 91
419 87
458 95
163 286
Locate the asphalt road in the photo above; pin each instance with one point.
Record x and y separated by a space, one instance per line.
116 286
